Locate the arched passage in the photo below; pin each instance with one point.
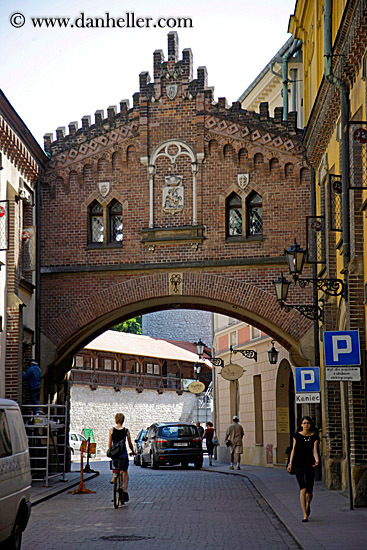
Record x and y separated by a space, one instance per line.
79 324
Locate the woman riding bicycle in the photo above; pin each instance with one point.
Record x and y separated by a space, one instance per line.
116 434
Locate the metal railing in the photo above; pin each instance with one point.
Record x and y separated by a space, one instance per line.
46 432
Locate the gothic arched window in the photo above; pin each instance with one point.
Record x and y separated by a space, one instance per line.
254 207
96 225
233 216
115 222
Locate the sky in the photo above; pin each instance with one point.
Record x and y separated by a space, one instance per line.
53 76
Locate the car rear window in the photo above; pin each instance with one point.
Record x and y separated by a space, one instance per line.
174 432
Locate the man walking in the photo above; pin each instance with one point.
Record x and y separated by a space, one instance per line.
33 377
235 435
200 429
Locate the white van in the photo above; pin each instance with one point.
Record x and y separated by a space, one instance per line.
15 475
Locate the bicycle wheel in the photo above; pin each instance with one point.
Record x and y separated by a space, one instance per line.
116 492
121 490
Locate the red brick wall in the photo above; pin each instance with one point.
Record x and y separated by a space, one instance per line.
81 284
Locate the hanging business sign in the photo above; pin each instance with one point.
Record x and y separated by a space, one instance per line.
232 371
196 387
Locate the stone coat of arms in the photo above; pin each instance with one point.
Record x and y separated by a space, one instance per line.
173 194
243 180
171 90
104 188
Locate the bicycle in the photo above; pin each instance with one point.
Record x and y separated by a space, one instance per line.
118 488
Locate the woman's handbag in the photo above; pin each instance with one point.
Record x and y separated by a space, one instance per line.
215 441
115 450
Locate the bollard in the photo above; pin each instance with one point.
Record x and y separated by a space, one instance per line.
81 488
88 469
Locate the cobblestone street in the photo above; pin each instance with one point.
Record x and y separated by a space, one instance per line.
170 508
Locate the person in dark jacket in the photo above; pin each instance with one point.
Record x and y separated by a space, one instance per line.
33 377
209 435
305 458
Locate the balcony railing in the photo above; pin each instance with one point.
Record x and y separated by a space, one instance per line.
118 380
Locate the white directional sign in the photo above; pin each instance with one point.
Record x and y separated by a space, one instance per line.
342 348
345 374
307 398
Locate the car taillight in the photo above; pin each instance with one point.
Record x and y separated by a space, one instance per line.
161 440
197 439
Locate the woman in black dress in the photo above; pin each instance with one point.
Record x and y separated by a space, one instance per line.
304 459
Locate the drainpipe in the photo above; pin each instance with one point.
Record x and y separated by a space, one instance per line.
295 47
38 270
344 100
293 73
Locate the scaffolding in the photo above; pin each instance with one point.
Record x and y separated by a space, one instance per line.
46 429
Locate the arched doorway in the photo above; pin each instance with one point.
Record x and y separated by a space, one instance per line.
285 409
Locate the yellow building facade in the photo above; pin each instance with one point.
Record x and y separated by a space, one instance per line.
334 112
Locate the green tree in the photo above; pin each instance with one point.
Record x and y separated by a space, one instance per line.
132 325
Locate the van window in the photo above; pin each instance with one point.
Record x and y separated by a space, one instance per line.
5 443
19 438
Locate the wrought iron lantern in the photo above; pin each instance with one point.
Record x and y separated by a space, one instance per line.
273 354
200 347
281 285
296 258
281 288
197 368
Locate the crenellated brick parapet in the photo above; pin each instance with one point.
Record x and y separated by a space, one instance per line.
172 83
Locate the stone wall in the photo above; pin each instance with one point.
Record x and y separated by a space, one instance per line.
97 409
183 325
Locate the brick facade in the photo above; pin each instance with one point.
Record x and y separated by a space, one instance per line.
21 163
173 129
333 149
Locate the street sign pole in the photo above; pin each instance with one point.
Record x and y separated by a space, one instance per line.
344 388
342 348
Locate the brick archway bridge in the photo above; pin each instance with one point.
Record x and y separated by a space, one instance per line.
152 207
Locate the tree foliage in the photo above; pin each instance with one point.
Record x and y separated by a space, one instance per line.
132 325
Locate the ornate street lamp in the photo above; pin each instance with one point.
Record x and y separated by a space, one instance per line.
216 361
313 313
200 346
273 354
296 259
197 368
281 288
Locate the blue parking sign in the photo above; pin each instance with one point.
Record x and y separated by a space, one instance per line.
341 348
307 379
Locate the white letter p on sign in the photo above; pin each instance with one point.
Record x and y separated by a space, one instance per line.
341 338
307 377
